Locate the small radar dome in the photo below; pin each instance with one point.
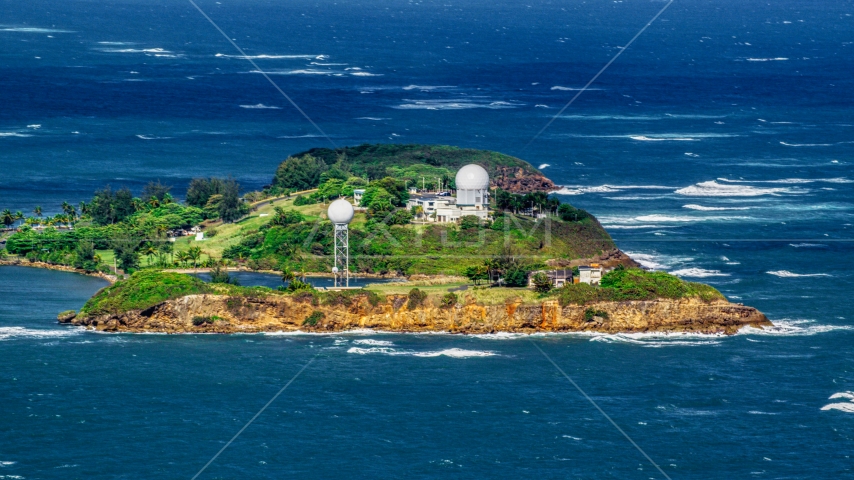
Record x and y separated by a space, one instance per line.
472 177
340 212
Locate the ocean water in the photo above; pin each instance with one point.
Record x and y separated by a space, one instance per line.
717 147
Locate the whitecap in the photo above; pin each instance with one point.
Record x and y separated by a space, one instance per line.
609 117
660 340
271 57
571 89
715 189
451 104
426 88
149 137
806 144
14 134
539 105
775 59
788 274
260 106
698 273
544 165
303 71
309 135
580 189
808 245
22 332
33 30
793 181
366 74
450 352
712 209
795 328
647 138
34 126
135 50
376 119
375 343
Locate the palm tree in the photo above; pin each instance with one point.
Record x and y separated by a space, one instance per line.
182 257
7 217
19 215
194 254
288 276
38 211
148 250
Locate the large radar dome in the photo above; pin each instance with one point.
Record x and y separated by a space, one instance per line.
472 177
340 212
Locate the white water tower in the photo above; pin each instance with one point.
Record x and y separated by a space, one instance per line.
340 213
472 186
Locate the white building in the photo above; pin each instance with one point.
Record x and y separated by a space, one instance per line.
591 275
357 196
472 198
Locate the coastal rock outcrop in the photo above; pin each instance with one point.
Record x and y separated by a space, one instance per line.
227 314
518 180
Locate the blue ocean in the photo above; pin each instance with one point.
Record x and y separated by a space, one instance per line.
718 147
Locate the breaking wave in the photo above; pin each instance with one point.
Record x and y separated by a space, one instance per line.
375 343
426 88
273 57
260 106
7 333
788 274
454 105
148 137
715 189
14 134
699 273
847 407
659 340
572 89
449 352
33 30
793 181
798 328
775 59
808 245
712 209
580 189
806 144
647 138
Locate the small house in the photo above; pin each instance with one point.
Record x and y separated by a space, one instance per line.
559 278
357 196
590 275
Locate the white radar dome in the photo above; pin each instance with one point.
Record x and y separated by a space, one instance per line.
340 212
472 177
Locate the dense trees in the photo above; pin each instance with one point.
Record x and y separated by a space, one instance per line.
109 207
299 173
219 198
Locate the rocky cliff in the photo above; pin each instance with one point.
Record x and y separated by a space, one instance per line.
226 314
518 180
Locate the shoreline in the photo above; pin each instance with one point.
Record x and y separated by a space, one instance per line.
6 262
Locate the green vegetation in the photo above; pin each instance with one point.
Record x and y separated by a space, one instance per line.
197 321
635 284
416 298
591 314
542 283
434 164
142 290
449 300
315 317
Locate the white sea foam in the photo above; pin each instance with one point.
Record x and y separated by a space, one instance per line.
572 89
660 340
788 274
14 134
539 105
795 328
775 59
427 88
272 57
793 181
116 43
34 126
544 165
806 144
260 106
135 50
610 117
309 135
7 333
712 209
366 74
450 104
32 30
715 189
581 189
647 138
808 245
376 119
698 273
149 137
450 352
375 343
649 261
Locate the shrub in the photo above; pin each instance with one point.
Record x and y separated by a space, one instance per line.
590 314
142 290
542 283
315 317
516 277
197 321
416 298
469 221
449 299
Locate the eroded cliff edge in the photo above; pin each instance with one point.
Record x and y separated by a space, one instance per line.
211 313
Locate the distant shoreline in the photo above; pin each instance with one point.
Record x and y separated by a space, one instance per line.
15 262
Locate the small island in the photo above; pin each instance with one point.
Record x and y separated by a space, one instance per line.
479 244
